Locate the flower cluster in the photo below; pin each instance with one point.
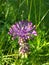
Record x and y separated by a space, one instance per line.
24 31
24 47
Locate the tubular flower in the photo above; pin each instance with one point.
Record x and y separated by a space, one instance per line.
24 31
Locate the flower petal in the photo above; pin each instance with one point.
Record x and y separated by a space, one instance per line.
34 33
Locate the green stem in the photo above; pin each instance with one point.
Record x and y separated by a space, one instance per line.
42 18
27 2
30 11
39 10
35 11
10 55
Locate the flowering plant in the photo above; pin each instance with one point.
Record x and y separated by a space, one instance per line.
24 31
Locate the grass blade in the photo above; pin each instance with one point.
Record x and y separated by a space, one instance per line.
30 11
42 18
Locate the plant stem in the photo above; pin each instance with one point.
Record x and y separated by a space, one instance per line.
30 11
35 11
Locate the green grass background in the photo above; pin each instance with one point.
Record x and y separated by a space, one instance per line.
12 11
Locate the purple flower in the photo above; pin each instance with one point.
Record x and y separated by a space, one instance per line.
24 48
22 29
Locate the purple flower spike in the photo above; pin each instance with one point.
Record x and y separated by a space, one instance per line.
22 29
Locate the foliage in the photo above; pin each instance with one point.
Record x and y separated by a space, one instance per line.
12 11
